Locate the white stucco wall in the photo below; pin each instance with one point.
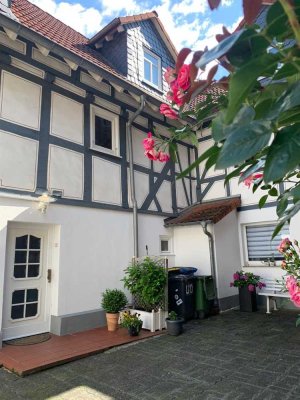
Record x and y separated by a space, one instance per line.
227 250
191 248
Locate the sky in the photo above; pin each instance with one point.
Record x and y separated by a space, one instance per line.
190 23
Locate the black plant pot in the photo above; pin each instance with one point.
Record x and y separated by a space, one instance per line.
174 328
133 330
247 299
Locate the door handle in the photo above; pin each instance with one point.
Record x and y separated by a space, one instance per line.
49 275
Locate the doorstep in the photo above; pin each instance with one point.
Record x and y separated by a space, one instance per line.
25 360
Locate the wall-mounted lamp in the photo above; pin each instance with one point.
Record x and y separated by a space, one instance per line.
44 201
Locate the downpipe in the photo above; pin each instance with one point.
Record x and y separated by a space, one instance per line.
131 175
204 225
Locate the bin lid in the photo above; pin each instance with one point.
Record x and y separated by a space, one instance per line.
188 270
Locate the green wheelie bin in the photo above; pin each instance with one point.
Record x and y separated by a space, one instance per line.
205 295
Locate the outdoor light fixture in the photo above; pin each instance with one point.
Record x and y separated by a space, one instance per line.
44 201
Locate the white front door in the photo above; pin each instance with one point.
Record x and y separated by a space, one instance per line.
25 310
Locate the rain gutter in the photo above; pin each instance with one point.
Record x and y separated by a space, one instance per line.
210 236
131 174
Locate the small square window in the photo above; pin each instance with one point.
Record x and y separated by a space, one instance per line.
104 131
165 244
152 69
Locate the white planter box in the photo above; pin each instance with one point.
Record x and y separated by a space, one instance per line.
153 321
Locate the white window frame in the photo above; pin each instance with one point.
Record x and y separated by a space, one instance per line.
114 119
158 86
168 239
257 263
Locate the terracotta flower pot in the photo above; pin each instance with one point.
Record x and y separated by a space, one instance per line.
112 320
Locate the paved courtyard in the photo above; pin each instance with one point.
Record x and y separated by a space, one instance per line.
232 356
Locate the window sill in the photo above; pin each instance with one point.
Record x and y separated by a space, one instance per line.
152 86
108 153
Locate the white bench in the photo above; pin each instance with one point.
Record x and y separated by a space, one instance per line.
272 290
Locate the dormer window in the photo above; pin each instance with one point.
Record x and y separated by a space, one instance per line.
152 69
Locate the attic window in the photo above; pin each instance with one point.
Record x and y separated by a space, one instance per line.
152 69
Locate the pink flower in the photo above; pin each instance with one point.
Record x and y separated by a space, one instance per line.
284 245
178 94
251 287
166 110
248 181
148 142
163 157
236 276
295 297
291 284
183 78
170 75
231 284
151 154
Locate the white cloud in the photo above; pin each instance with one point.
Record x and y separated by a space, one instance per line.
194 33
187 7
85 20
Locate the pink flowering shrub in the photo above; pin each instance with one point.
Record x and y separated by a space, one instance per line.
241 278
291 264
251 179
151 149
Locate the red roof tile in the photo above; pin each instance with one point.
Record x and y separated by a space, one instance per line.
45 24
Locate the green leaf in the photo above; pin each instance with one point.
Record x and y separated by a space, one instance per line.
244 79
262 201
284 153
235 173
204 156
273 192
244 142
276 21
288 100
286 70
220 50
252 169
289 117
282 205
212 159
297 322
277 229
218 130
250 45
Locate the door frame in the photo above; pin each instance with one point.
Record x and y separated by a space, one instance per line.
29 228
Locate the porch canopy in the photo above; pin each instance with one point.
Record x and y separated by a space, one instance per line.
212 211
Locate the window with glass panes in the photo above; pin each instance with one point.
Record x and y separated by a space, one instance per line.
152 68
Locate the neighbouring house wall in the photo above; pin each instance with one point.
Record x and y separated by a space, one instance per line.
227 250
191 248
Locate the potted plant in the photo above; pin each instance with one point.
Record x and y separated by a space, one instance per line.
146 280
132 322
174 324
247 283
113 300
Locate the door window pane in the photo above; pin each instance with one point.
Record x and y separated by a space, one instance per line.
34 243
18 296
32 295
20 271
17 312
21 242
20 257
33 271
34 257
31 310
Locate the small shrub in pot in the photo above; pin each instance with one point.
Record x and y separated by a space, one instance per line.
113 300
174 324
